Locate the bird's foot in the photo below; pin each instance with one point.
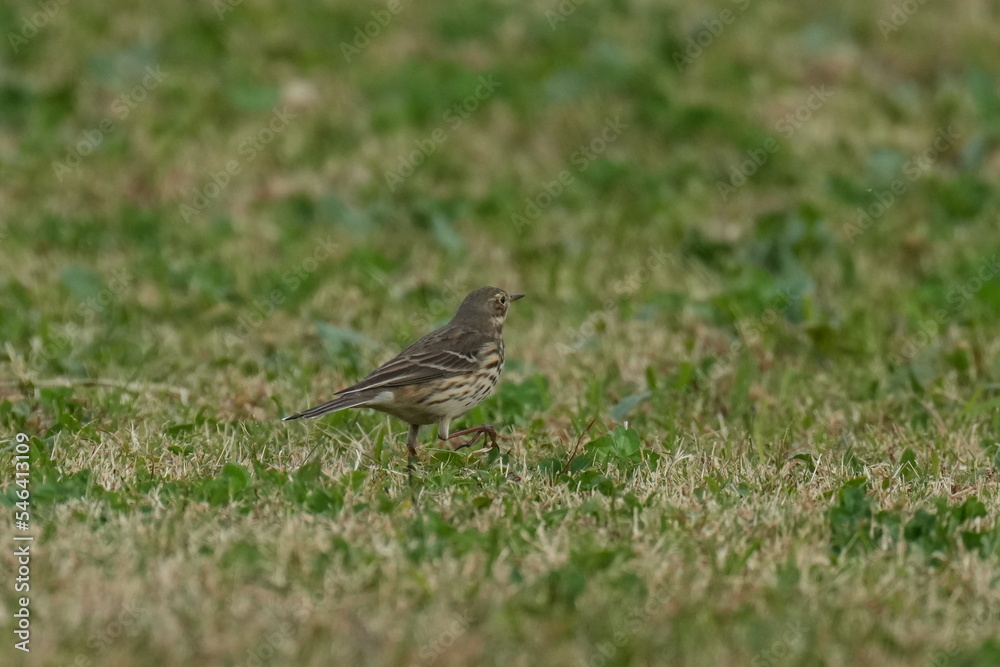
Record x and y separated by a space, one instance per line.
485 429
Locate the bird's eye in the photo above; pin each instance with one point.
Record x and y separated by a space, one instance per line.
503 299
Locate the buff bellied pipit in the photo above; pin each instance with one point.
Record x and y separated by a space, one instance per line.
441 376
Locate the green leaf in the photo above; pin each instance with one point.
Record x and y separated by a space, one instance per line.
627 445
807 459
449 458
241 554
354 480
178 429
310 473
851 518
445 234
972 508
254 96
982 86
908 464
82 282
565 584
238 477
324 500
341 342
627 404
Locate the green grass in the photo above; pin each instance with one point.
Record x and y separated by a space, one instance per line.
751 411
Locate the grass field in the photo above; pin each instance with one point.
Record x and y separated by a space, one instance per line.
751 410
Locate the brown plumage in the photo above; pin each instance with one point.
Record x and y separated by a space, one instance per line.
441 376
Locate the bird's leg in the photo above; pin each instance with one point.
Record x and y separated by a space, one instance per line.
411 440
485 429
411 447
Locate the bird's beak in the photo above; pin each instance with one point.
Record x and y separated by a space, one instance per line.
515 297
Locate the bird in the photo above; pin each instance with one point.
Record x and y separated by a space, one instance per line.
441 376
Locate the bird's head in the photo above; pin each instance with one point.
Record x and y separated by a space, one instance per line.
484 307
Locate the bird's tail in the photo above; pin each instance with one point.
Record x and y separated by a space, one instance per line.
341 403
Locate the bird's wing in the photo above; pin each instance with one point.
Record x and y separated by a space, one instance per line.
447 352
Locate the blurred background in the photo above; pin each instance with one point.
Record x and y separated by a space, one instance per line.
223 181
